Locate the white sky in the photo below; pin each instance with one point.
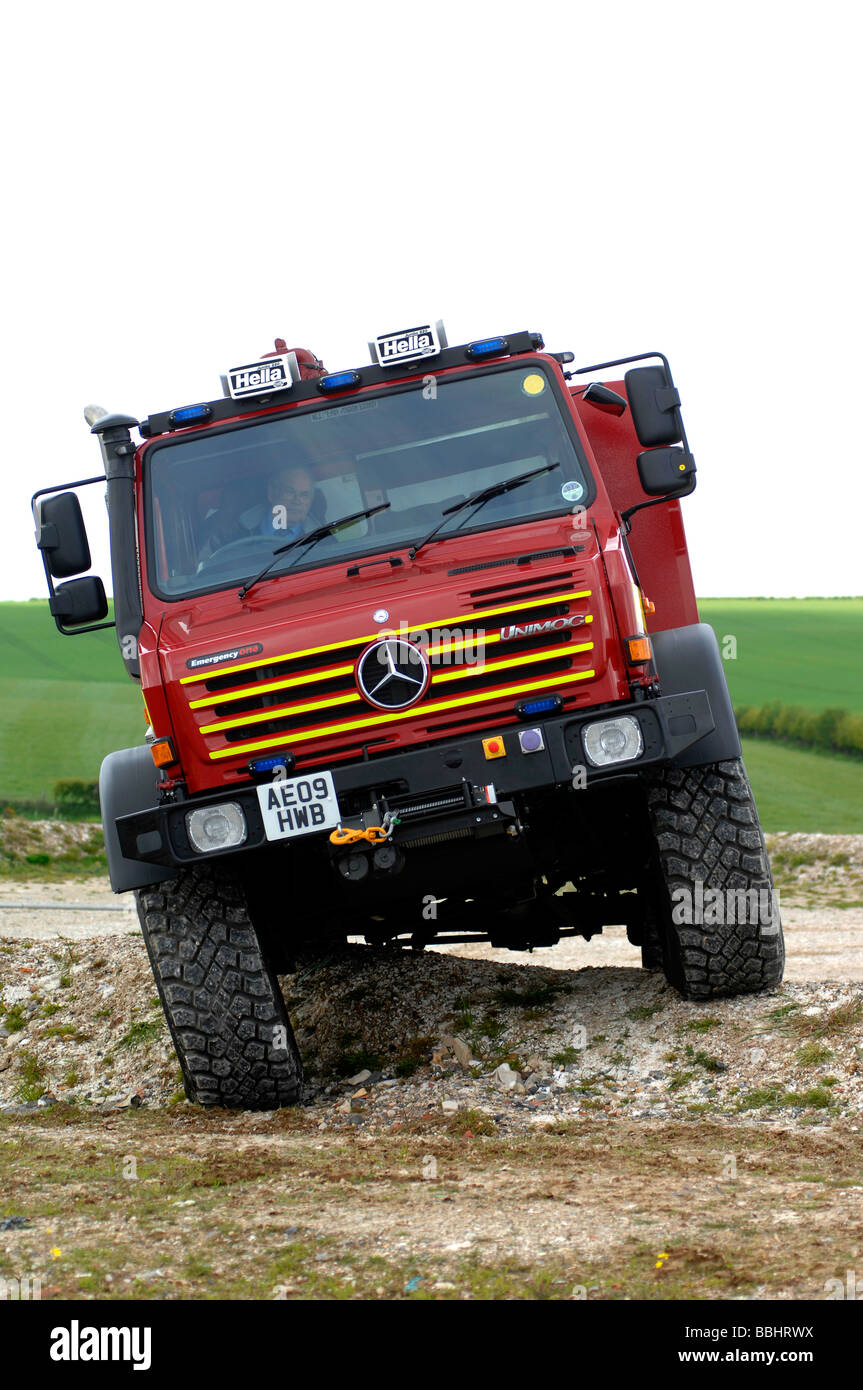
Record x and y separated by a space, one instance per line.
185 181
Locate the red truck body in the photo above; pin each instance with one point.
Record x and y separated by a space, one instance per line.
284 618
410 676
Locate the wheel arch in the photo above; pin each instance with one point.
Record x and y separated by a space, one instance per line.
688 658
127 783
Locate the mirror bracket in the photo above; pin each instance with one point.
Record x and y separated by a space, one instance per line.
56 601
68 597
668 398
47 539
597 394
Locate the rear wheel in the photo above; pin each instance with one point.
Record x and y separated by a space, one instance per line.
714 914
221 999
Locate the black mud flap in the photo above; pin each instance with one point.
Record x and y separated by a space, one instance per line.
127 783
687 658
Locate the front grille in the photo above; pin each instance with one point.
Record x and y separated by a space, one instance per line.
522 588
296 700
518 559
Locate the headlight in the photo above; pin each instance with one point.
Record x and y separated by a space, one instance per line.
216 827
613 741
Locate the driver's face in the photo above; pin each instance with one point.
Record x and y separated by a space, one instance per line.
292 489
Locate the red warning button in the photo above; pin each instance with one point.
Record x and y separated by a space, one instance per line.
493 748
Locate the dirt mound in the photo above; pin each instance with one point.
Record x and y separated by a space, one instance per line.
817 870
44 847
81 1023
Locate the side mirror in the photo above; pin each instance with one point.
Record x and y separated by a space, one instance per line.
604 398
79 601
61 535
666 472
655 406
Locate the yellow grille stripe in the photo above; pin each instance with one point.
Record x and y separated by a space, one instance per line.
432 708
415 627
461 673
485 640
279 712
330 672
542 655
460 645
244 692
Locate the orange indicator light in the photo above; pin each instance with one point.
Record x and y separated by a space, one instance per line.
638 649
163 752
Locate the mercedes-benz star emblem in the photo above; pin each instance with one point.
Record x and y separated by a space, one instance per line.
392 674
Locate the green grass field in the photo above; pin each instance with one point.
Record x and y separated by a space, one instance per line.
796 789
66 701
805 652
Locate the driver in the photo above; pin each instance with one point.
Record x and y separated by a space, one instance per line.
282 518
289 494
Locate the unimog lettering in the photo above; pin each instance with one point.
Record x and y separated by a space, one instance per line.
509 634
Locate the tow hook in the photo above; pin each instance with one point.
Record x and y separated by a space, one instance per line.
385 857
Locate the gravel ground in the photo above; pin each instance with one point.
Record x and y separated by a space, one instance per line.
824 943
389 1036
580 1026
477 1124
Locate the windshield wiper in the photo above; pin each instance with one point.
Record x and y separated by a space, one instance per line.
310 539
479 499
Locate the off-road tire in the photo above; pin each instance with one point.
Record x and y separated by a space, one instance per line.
221 1000
705 826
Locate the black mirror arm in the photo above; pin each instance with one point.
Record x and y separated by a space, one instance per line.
626 523
674 401
53 603
654 502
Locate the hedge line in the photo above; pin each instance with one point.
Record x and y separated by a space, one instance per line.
75 794
836 730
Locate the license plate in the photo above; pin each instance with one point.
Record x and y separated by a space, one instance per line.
299 806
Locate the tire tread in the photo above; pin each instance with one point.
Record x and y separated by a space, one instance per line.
221 1000
706 828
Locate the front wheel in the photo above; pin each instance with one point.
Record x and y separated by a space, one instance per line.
714 912
222 1002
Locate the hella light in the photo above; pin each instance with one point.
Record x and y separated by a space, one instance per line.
613 741
487 347
338 381
212 828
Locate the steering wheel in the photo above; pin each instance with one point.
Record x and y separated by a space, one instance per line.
238 544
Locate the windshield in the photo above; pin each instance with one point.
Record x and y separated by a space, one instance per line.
219 504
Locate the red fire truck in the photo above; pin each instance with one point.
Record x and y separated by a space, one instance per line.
421 660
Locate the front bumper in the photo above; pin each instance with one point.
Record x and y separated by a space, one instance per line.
423 785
